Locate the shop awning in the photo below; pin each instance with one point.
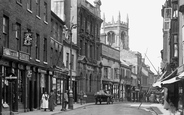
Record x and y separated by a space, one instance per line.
133 76
172 80
158 82
166 79
180 76
171 75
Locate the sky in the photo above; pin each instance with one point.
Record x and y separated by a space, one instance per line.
145 26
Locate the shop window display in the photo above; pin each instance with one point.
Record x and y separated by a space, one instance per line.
6 71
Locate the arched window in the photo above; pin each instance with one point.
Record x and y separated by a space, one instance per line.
123 39
111 37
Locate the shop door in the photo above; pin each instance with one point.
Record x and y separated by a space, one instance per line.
59 96
30 95
13 94
35 95
75 91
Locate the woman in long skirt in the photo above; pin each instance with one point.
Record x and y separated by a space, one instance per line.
52 101
45 102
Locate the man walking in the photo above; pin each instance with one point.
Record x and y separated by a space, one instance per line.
65 100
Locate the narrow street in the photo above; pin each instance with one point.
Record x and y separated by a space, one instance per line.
104 109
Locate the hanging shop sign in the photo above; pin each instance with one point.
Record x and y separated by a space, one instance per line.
29 73
28 37
11 77
23 56
10 53
42 71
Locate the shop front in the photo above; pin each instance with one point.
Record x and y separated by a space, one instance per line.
107 86
116 91
59 84
23 93
137 92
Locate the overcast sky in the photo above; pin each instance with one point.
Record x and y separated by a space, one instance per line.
145 33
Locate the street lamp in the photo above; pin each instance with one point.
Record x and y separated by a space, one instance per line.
69 31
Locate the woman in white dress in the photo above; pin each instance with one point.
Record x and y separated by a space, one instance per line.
45 101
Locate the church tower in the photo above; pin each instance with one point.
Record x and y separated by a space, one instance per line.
115 33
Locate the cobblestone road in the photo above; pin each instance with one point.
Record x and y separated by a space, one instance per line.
112 109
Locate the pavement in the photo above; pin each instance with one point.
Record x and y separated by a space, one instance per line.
155 108
56 110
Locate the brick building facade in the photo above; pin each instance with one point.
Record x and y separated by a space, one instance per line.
25 34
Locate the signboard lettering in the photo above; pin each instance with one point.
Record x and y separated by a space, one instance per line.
23 56
10 53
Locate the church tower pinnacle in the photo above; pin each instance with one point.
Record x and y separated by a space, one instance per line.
119 17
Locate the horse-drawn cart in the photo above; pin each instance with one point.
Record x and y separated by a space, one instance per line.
102 96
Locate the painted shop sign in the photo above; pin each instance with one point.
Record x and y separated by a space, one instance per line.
10 53
42 71
23 56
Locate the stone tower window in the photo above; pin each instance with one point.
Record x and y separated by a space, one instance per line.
110 37
123 41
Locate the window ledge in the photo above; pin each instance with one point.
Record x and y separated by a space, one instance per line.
46 22
37 60
29 11
20 4
45 62
38 17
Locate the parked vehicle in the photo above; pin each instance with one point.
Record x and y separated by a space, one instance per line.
103 96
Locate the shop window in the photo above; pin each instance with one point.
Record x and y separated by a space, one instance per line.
20 79
59 96
6 71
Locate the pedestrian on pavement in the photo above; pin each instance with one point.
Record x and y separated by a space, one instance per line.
52 100
65 99
81 96
45 102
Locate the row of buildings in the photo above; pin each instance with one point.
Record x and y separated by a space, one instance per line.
172 54
59 45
